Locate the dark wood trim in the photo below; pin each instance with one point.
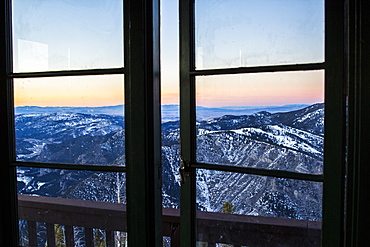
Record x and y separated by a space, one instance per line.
109 236
261 69
244 230
50 234
216 227
32 233
261 172
187 121
73 212
8 204
353 63
361 199
335 124
143 124
89 236
69 236
62 73
78 167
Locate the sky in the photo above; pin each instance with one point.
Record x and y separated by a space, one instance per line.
229 34
94 91
264 89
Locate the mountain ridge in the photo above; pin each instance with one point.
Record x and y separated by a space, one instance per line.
290 141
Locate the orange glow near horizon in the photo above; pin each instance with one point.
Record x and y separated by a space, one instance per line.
72 91
261 89
170 98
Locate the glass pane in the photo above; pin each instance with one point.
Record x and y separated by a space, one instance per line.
170 109
73 120
67 35
249 210
170 122
263 120
57 204
243 33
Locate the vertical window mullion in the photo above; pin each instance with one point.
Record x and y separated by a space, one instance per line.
142 122
361 118
187 121
8 205
353 123
335 125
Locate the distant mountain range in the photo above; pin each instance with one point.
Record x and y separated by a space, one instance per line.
169 112
284 140
111 110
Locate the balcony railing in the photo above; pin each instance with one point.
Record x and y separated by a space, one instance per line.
212 228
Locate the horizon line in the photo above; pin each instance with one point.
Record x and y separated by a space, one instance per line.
122 105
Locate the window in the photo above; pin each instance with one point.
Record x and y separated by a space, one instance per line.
212 50
69 145
219 57
60 54
246 74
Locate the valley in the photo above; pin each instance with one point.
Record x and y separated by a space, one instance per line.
290 140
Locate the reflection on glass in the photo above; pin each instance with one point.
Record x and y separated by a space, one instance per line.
289 211
54 202
263 120
67 35
240 33
73 120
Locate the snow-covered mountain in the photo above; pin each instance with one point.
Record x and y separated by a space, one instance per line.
290 141
34 131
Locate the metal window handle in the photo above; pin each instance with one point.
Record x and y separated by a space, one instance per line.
184 170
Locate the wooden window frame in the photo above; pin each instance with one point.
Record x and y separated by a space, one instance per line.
347 59
142 124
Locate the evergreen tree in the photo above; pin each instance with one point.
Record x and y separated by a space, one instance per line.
99 238
59 236
228 208
202 244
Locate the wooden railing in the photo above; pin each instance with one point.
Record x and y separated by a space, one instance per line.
212 228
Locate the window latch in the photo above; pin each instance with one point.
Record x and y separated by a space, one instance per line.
184 170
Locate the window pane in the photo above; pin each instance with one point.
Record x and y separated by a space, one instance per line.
170 106
240 33
169 31
289 211
67 35
73 120
263 120
59 203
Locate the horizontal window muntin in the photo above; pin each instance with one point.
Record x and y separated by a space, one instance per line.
58 73
258 171
259 69
70 166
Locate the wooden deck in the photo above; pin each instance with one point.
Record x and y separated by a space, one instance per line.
212 228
